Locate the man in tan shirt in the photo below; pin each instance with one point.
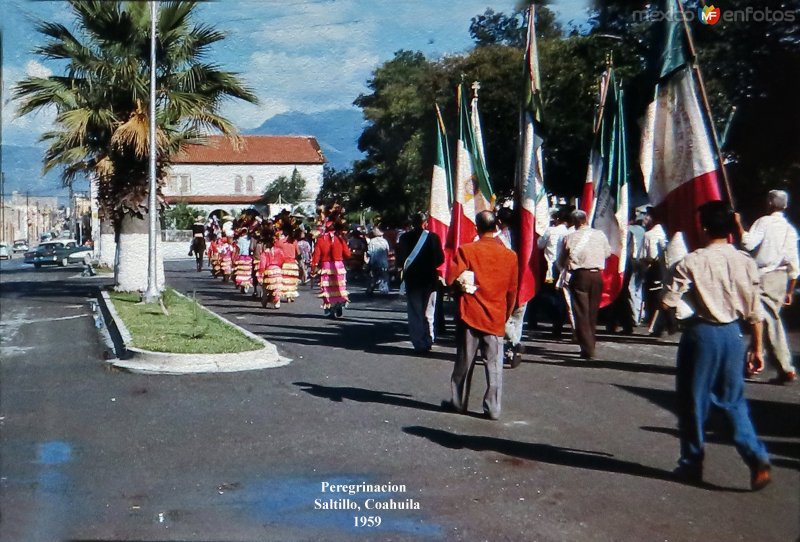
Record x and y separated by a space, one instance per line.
721 284
584 256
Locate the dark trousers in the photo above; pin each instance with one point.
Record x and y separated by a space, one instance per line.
585 288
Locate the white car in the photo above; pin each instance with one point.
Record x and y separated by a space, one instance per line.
5 252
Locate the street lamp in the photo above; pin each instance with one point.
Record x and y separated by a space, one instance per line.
152 294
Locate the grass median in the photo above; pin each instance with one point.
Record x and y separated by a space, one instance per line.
188 329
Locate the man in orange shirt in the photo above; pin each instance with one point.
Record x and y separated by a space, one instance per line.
485 271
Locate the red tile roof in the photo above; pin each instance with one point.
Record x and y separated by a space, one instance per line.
254 150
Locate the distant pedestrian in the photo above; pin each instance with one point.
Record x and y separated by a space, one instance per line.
584 255
773 242
88 269
513 347
419 254
303 255
722 286
549 298
198 245
485 272
653 258
378 262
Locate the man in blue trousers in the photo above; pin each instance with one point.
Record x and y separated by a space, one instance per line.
721 285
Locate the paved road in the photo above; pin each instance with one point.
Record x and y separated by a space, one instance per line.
582 451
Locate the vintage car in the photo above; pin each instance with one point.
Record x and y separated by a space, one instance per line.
5 252
20 246
58 252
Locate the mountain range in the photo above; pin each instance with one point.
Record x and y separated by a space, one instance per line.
336 130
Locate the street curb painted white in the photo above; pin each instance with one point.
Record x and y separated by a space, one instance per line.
142 361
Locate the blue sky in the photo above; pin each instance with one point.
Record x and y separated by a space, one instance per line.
303 55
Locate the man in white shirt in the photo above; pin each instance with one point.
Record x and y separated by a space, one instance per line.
584 254
652 254
773 243
549 298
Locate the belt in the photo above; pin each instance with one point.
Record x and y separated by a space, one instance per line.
593 270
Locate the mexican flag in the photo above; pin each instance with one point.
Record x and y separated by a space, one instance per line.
594 174
473 191
609 162
532 202
441 190
677 157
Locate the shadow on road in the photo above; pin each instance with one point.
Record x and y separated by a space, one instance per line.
546 453
771 418
546 356
360 395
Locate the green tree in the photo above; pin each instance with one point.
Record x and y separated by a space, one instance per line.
290 189
181 216
399 136
102 101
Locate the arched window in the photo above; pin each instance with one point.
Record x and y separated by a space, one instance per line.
250 184
237 184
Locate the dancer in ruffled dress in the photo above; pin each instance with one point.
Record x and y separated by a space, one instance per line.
330 252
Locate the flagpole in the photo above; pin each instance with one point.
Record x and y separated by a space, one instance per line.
706 106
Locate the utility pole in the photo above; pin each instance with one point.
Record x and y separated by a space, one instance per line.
71 217
152 294
3 206
28 217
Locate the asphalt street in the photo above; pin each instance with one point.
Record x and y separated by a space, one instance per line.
583 451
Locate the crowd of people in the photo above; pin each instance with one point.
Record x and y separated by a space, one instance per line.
713 292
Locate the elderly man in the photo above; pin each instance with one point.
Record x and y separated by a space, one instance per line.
584 256
721 284
485 272
773 243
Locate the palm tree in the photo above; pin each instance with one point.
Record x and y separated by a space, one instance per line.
102 103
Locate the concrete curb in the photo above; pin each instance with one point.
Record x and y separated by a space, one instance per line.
147 362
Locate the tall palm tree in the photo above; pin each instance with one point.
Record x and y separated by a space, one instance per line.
102 101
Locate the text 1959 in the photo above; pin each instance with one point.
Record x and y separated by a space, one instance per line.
367 521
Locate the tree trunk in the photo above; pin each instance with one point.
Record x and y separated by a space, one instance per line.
132 255
106 245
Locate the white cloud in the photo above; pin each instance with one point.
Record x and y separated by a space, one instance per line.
37 69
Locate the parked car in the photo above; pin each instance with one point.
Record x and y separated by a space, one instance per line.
5 252
60 252
20 246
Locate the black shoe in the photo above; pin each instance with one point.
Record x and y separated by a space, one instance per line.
689 474
338 311
448 406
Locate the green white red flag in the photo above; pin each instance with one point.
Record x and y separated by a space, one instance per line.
473 191
608 165
441 191
531 196
677 156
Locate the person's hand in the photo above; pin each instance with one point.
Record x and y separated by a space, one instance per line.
755 362
788 299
